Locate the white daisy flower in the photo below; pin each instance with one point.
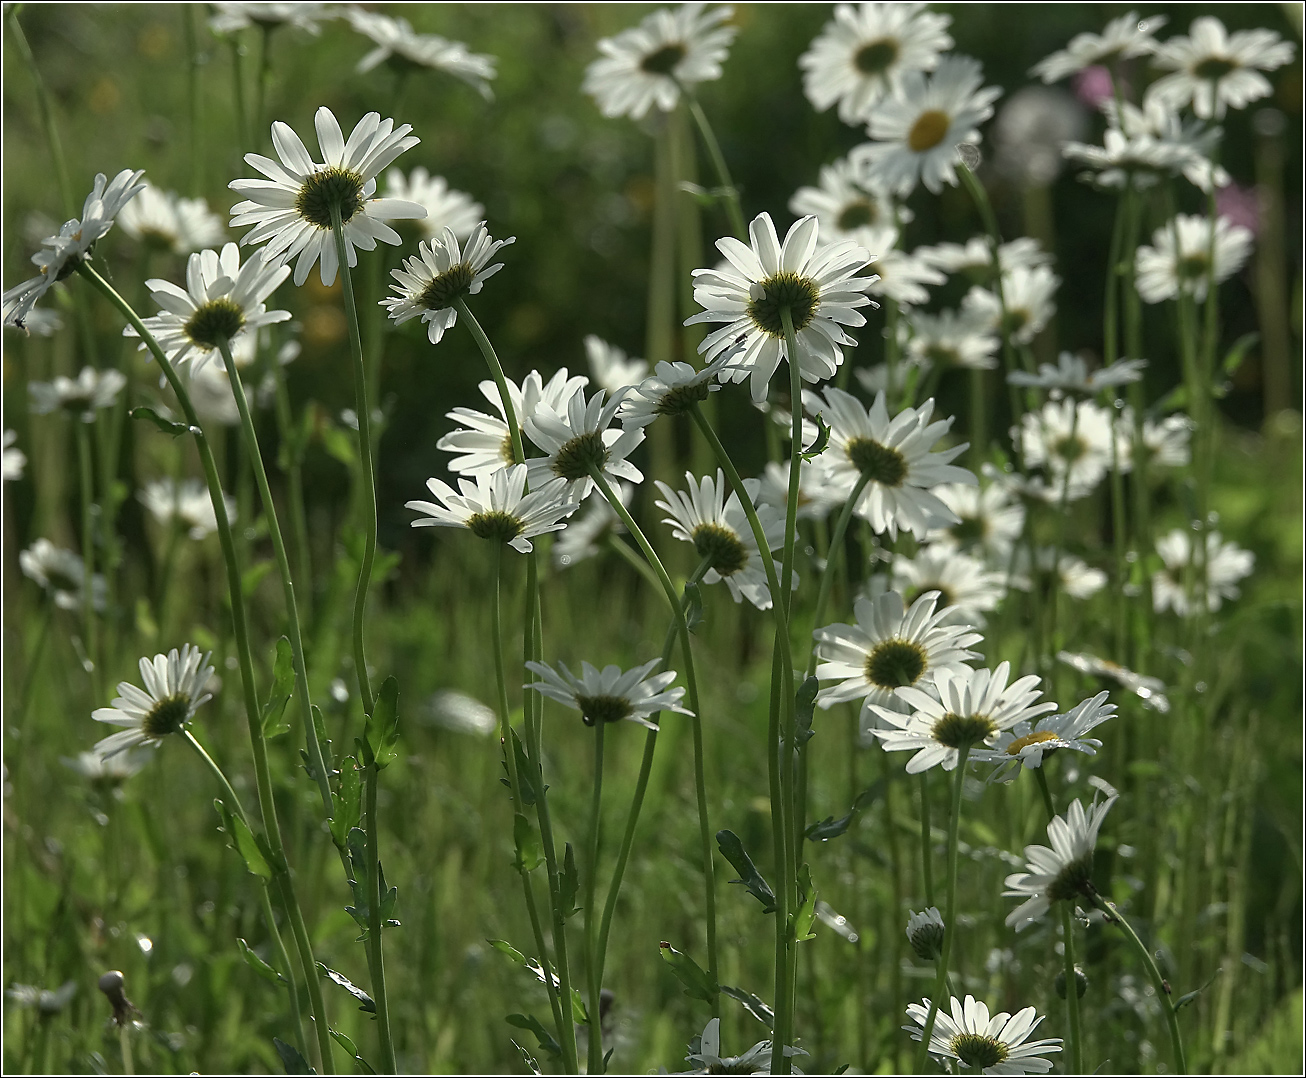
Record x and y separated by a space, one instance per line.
1122 157
187 502
888 648
228 18
879 378
1162 275
485 444
1214 70
398 44
863 54
847 207
1026 743
646 66
579 438
1071 375
14 459
1156 130
611 368
212 396
61 254
45 1000
925 932
109 771
902 276
174 690
672 389
445 207
817 496
1165 441
1061 873
1071 441
949 339
583 537
1226 564
719 529
976 255
1150 690
1031 127
497 507
972 1041
818 283
611 694
897 458
164 220
705 1054
62 575
1074 576
1124 38
918 130
1028 294
990 520
439 274
965 585
82 396
222 303
972 708
291 209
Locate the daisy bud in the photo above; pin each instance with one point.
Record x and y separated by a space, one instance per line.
1081 983
925 934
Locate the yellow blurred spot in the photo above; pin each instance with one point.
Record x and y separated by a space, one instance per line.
155 41
324 325
317 291
527 322
105 96
641 191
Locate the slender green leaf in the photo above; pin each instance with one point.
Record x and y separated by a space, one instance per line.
1191 997
366 1002
530 852
242 840
533 1024
805 916
257 964
283 684
568 883
165 425
752 1004
732 849
804 705
693 607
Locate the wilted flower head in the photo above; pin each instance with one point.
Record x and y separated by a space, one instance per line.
399 45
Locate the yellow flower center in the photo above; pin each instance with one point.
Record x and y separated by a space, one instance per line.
928 130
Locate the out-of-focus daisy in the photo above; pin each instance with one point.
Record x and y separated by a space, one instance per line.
174 690
291 209
164 220
222 302
989 520
485 444
973 707
14 459
212 396
862 55
580 438
611 694
888 648
1026 743
719 530
61 254
976 255
896 456
399 45
1071 375
1071 440
1031 127
705 1054
45 1000
1150 690
882 378
972 1041
1028 294
1062 572
1061 873
40 322
918 130
925 933
847 207
1192 143
1163 274
950 339
497 507
1214 70
610 366
820 285
445 207
964 584
109 771
228 18
82 396
441 273
187 502
1165 442
817 497
646 66
1226 564
902 277
1124 37
672 389
583 537
61 574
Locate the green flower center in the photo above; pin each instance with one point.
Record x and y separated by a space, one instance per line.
958 730
1070 448
876 57
928 130
167 716
1072 880
801 295
1016 320
945 596
215 323
970 530
1021 743
1214 67
681 399
857 214
577 457
877 462
1193 267
447 287
595 709
943 355
721 545
157 238
664 60
894 663
495 525
977 1051
330 186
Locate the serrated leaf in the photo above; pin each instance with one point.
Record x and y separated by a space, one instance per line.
346 801
165 425
697 981
805 916
242 840
732 849
257 964
822 440
533 1024
804 708
568 883
693 607
366 1002
382 727
530 852
525 772
752 1004
291 1058
324 742
283 684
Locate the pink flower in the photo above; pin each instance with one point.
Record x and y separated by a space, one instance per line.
1240 206
1093 85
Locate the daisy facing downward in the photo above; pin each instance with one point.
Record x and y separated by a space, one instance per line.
611 694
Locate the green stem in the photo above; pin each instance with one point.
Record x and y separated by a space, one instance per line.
635 562
45 108
496 370
1067 932
364 410
950 917
733 208
125 1045
595 1062
374 923
927 841
193 99
295 480
827 577
88 554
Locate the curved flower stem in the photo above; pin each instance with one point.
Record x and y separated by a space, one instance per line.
293 463
595 1061
283 956
287 583
496 369
1067 932
950 917
88 555
696 723
927 841
1114 916
635 562
733 208
364 410
253 714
